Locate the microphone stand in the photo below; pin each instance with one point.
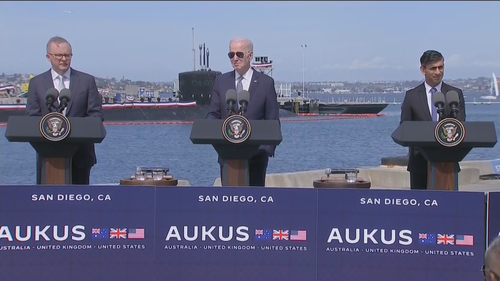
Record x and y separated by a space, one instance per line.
230 108
49 104
440 112
453 112
242 110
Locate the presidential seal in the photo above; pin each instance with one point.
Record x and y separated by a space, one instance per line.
54 126
236 129
449 132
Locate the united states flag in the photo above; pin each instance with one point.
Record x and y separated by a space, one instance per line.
298 235
136 233
464 240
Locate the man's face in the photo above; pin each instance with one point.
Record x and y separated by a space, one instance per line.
492 271
433 72
240 57
59 56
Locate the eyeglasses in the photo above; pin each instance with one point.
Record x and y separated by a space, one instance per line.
484 269
238 54
60 56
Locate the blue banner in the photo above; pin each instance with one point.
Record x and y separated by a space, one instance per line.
236 234
400 235
76 232
493 216
217 233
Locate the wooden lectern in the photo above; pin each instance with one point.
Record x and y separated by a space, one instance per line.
443 144
55 148
236 139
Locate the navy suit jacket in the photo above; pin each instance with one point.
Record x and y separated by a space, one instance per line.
85 101
415 108
263 104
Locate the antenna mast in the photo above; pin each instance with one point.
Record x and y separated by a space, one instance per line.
194 52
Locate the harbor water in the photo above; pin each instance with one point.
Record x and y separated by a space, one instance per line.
310 145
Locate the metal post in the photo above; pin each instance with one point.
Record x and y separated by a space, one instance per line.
304 47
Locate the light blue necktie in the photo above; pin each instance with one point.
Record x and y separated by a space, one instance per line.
434 111
239 88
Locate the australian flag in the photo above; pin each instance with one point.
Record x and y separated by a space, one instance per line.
263 234
100 233
426 238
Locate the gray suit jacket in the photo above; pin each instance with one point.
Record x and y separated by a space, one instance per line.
263 104
415 108
85 102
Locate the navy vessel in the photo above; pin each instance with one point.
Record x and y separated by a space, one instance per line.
192 99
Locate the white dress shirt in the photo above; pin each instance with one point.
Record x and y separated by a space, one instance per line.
55 81
247 77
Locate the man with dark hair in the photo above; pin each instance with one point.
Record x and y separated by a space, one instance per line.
263 101
417 106
85 101
491 267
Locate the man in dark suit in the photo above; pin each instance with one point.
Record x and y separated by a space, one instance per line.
263 104
84 102
417 106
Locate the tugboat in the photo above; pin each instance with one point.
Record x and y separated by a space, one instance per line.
300 105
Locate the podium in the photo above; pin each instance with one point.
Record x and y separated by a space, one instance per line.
235 153
443 144
56 152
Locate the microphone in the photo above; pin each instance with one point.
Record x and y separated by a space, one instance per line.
64 97
453 100
230 100
243 97
439 100
50 97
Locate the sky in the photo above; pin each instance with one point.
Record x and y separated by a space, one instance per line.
346 41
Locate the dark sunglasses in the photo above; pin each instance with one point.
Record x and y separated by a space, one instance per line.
238 54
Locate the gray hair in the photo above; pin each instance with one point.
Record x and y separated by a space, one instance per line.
247 42
493 251
57 40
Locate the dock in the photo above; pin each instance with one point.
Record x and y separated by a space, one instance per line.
390 177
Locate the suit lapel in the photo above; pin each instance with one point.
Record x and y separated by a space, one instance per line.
232 81
423 100
47 81
444 89
254 83
73 86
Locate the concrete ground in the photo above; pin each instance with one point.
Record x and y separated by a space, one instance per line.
390 177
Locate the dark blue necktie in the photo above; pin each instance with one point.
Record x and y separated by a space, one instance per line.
434 111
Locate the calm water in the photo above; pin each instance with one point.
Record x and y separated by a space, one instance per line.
306 146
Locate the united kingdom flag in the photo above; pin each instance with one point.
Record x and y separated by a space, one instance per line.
118 233
280 234
446 239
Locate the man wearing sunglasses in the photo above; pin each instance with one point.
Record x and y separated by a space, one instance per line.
85 101
491 267
263 104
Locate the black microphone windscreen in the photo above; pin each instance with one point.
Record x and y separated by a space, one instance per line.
452 97
51 93
65 93
243 96
231 96
438 98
